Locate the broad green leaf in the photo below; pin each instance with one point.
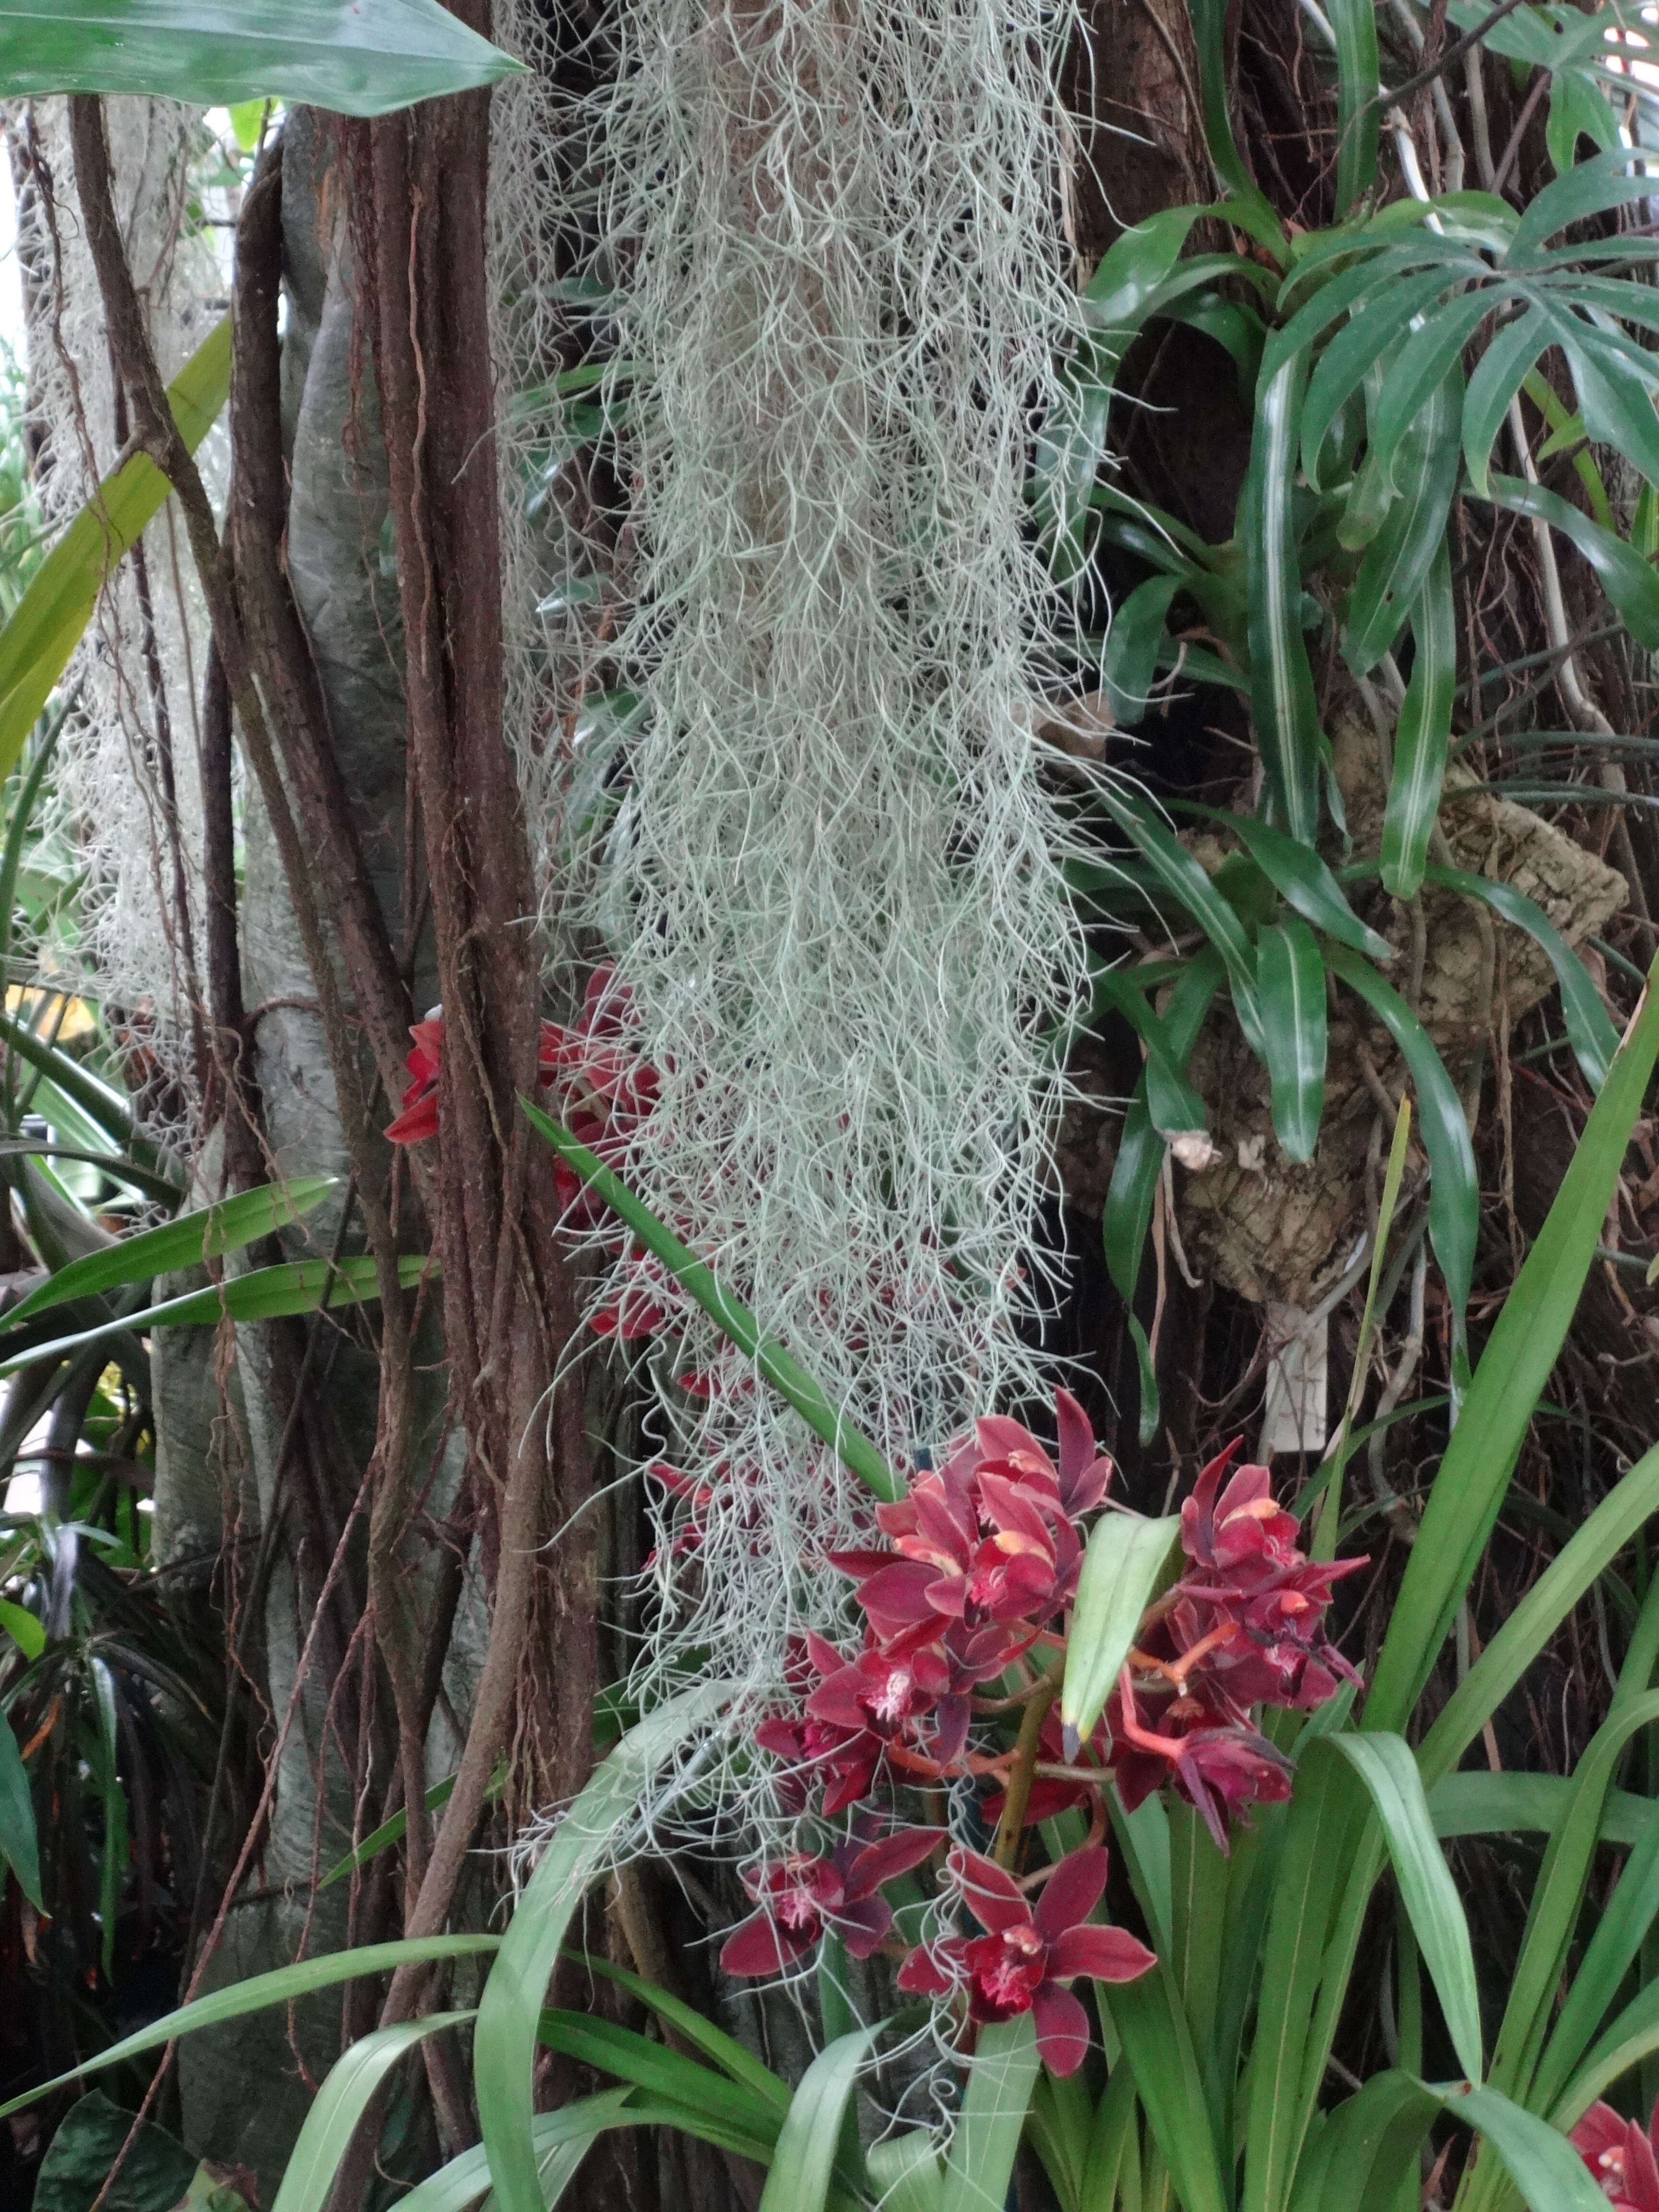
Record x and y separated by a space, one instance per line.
1185 880
509 2011
784 1374
1590 1026
1476 1803
19 1845
1611 1952
633 2057
282 1986
1614 381
47 624
1606 180
1630 2037
1629 581
1111 2173
1058 2127
1542 2164
1176 1108
1385 1764
460 2184
1290 993
23 1628
348 2087
1359 108
1454 1184
1285 709
981 2159
1422 734
1384 301
156 2170
265 1294
1427 367
1474 1476
688 2022
804 2162
1122 1568
1301 879
105 1109
186 1242
906 2172
1130 661
1497 377
1377 2137
1400 560
357 57
1246 206
1158 2046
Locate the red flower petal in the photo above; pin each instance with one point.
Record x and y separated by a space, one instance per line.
893 1856
927 1973
1104 1954
759 1946
994 1898
1070 1893
1062 2027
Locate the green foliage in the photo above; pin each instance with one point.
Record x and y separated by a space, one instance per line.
358 56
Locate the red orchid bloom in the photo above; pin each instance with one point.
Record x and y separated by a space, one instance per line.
893 1687
1219 1765
1621 2157
1029 1955
979 1553
800 1896
419 1117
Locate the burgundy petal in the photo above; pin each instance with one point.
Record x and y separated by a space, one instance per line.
1062 2027
950 1718
928 1971
862 1923
893 1856
1070 1893
759 1946
1104 1954
994 1898
1077 1440
899 1592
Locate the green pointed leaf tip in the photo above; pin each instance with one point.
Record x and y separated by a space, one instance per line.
357 57
1123 1569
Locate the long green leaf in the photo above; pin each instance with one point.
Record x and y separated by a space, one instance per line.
1378 2134
48 621
1282 695
1476 1803
1590 1026
1423 732
1158 2044
1174 1106
291 1287
993 2106
283 1985
1629 581
1454 1184
635 2058
1359 111
1385 1764
1609 1956
1474 1473
1401 558
1302 879
1291 992
906 2172
509 2012
804 2163
686 2020
357 57
1121 1570
1497 377
101 1106
19 1844
1186 880
1606 180
186 1242
340 2104
784 1374
464 2179
1247 206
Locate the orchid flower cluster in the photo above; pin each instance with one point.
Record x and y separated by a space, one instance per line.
966 1597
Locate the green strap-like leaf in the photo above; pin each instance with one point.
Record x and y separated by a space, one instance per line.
687 2021
810 2141
1185 879
47 623
1474 1472
906 2172
294 1287
1629 581
635 2058
1400 560
1606 180
1176 1108
460 2184
1130 661
1123 1569
104 1108
357 57
1423 732
1282 695
1385 1764
1374 2141
1590 1026
1358 109
1497 377
509 2012
1301 879
1291 992
729 1313
1158 2046
1453 1183
186 1242
348 2086
284 1985
18 1844
993 2106
1247 206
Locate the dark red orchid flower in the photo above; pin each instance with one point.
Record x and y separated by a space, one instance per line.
1029 1955
928 1677
1220 1766
1621 2157
979 1553
800 1896
419 1117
